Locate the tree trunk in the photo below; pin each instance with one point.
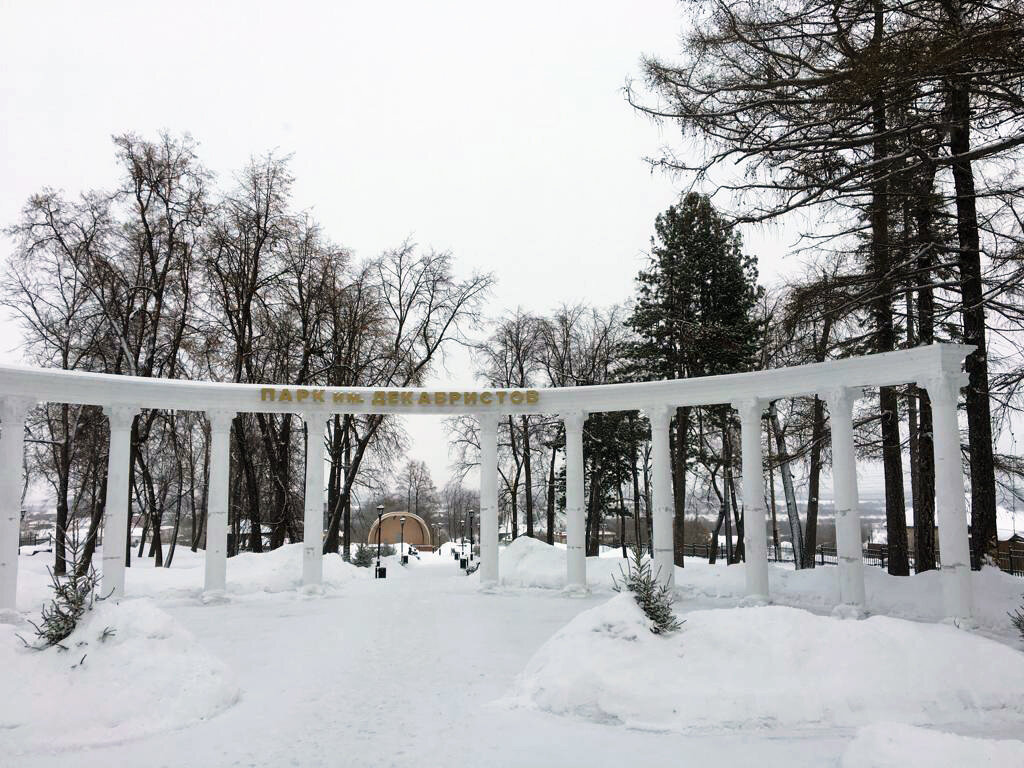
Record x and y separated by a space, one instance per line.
979 417
528 476
924 496
551 496
680 455
814 481
771 487
885 334
796 533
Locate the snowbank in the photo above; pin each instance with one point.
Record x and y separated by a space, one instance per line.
248 573
528 562
149 676
891 745
768 667
918 596
532 563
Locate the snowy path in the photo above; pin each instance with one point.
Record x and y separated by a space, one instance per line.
408 671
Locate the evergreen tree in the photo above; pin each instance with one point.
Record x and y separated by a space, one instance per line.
695 314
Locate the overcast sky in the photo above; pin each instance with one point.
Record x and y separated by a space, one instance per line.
496 131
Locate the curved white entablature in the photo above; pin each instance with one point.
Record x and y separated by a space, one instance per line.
890 368
936 368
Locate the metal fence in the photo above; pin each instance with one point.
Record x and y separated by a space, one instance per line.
34 539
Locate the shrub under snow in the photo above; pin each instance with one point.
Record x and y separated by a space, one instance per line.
130 671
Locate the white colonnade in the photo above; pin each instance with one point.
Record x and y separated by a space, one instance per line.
936 368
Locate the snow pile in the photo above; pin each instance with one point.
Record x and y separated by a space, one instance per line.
914 597
280 570
890 745
528 562
767 667
149 676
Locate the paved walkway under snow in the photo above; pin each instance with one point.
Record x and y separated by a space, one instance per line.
408 671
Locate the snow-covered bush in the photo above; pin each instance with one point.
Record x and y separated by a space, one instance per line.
367 554
654 598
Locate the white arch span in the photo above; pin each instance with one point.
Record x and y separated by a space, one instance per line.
936 368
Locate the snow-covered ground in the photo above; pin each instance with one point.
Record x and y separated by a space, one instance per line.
422 668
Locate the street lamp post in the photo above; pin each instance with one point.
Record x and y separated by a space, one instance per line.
401 545
471 510
463 563
379 573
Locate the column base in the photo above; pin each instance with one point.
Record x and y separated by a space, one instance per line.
576 590
213 597
961 622
311 590
489 587
754 601
849 611
9 616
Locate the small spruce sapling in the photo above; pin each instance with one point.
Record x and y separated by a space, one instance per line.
654 598
1017 618
73 595
363 557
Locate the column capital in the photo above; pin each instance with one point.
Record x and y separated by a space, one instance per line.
220 420
750 408
120 416
660 415
312 418
574 420
487 421
14 408
840 400
944 387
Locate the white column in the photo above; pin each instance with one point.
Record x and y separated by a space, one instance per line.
849 546
575 524
118 509
755 544
12 449
950 506
217 503
662 500
313 515
488 499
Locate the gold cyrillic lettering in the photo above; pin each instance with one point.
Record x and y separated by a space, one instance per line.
516 397
532 397
285 396
469 398
266 393
354 397
392 398
318 395
501 397
407 398
380 398
454 397
439 398
424 398
301 395
486 398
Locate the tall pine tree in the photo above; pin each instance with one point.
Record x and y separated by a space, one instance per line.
695 315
